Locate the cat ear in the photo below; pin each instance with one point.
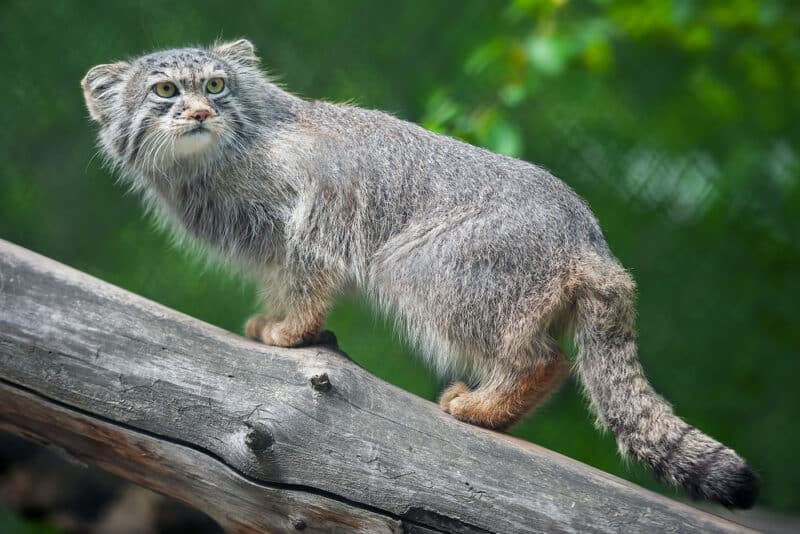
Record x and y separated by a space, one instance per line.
241 51
101 87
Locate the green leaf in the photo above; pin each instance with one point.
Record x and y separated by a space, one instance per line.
548 54
505 138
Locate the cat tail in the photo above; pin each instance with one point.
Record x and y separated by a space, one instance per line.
644 424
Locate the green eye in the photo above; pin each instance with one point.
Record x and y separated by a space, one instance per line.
215 85
165 89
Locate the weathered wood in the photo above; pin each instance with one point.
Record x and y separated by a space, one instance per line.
181 471
238 430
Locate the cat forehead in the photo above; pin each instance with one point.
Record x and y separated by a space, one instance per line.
181 59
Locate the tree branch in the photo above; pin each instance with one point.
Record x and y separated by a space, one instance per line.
263 438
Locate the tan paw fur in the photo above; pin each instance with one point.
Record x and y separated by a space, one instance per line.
471 408
254 327
452 392
283 333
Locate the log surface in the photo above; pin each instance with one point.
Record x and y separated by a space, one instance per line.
258 439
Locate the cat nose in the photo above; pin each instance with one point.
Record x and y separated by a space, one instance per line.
201 115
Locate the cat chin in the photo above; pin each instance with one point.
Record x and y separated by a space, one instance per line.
194 144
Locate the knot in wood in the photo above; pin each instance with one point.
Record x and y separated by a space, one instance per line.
259 439
298 523
321 382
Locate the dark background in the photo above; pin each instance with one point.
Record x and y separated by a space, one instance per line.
676 120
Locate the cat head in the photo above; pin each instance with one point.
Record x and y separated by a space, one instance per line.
177 107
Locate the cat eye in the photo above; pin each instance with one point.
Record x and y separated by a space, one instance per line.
165 89
215 85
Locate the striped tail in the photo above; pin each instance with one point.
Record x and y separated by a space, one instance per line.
644 424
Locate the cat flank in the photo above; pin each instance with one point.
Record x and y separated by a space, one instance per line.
485 260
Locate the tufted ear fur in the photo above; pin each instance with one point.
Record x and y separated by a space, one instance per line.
101 86
241 51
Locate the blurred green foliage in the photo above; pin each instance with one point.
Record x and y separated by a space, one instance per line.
12 524
676 120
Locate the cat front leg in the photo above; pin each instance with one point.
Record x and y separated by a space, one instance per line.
298 312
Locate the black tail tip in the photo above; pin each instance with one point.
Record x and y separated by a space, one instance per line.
735 487
742 490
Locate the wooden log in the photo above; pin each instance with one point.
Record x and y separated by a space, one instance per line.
278 440
181 471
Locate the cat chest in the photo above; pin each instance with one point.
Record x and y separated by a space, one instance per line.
239 227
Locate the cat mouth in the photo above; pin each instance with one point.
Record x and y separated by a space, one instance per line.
196 130
194 141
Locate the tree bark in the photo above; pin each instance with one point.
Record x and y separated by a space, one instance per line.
277 440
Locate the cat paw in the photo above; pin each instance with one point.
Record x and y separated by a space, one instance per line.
278 333
254 326
475 408
451 394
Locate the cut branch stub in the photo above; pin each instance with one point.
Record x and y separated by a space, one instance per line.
321 382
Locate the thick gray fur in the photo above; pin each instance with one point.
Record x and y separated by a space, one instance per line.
485 260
